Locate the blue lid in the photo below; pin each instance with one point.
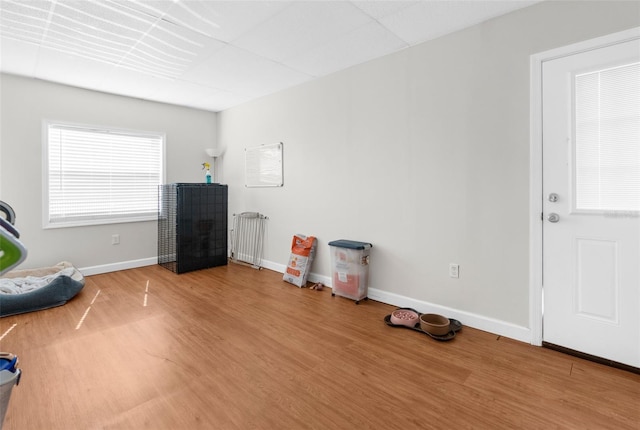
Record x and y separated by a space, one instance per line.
351 244
8 364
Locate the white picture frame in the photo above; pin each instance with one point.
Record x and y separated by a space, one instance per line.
263 166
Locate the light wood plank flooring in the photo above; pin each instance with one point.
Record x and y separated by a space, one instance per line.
237 348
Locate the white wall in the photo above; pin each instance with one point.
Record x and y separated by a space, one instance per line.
424 153
24 103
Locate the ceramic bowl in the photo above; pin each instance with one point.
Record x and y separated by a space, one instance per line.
404 317
434 324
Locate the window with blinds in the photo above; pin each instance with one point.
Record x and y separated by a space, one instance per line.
607 139
98 176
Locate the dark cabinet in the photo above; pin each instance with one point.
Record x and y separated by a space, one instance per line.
192 226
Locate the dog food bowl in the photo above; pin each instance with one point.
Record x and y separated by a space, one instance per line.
404 317
434 324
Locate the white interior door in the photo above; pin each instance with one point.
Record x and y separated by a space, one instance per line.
591 208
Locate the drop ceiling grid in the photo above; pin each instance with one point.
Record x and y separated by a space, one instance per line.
199 96
225 21
428 20
216 54
167 50
380 9
300 27
95 30
22 28
23 22
361 45
243 72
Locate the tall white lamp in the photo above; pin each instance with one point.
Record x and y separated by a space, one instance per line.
213 153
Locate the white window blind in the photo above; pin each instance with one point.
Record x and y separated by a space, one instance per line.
101 176
607 139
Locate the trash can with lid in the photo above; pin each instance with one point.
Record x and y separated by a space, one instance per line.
350 269
9 376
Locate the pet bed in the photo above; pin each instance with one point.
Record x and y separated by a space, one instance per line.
36 289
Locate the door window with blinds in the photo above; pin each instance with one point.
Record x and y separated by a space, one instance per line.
607 140
100 176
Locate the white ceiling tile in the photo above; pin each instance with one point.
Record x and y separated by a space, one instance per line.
95 31
221 101
201 96
363 44
17 57
223 20
428 20
154 9
243 72
24 21
101 20
185 88
381 8
300 27
216 54
123 81
69 69
169 50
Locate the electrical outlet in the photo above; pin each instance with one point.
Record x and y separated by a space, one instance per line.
454 270
115 239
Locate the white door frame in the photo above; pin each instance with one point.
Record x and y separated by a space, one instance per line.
535 165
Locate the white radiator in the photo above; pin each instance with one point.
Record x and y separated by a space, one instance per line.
247 238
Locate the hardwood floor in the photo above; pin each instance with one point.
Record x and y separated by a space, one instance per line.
237 348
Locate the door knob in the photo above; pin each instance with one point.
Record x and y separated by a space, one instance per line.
553 217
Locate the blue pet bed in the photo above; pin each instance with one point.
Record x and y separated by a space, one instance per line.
36 289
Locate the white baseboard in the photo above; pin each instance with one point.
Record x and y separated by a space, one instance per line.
313 277
480 322
274 266
114 267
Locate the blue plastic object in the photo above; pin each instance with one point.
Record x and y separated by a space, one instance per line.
9 364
